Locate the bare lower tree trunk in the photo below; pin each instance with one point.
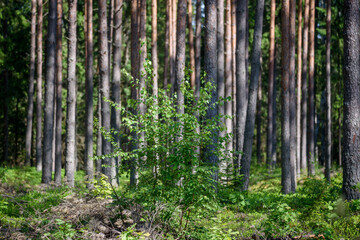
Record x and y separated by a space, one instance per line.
167 40
71 98
99 136
180 53
311 102
304 87
228 80
58 128
351 164
285 114
191 44
135 59
292 98
271 131
198 48
49 94
233 46
253 89
328 155
298 100
258 120
241 80
154 47
89 88
116 91
39 88
30 108
210 67
173 30
105 86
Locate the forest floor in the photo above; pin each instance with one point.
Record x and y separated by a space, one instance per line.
30 210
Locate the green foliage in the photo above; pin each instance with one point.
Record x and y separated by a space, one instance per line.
101 187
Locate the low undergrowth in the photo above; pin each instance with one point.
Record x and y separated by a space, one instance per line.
315 211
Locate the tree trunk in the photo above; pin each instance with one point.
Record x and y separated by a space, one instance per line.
220 59
285 105
191 45
154 49
135 59
180 53
298 100
105 86
304 86
210 67
173 9
167 40
271 131
351 164
116 83
198 49
258 120
99 136
233 46
6 118
39 88
49 93
241 101
311 103
328 155
30 108
292 98
89 92
228 80
253 89
58 128
71 98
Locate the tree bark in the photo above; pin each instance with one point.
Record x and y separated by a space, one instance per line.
210 67
351 164
258 119
253 89
116 83
180 53
241 101
167 40
233 46
328 155
304 86
292 98
191 45
173 30
298 100
71 97
135 59
311 103
198 49
154 48
220 59
58 128
30 108
49 94
39 87
99 136
271 131
89 93
285 114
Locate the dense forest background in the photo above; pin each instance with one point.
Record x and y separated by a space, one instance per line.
171 98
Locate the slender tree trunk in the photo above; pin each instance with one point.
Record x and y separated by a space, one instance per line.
135 59
116 91
58 129
99 136
71 97
191 44
167 40
180 52
253 89
198 48
285 114
49 93
298 102
311 102
228 79
233 46
105 85
351 165
258 120
110 34
6 118
339 138
292 97
39 87
271 131
173 30
241 101
328 155
154 47
304 87
30 108
89 92
210 67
